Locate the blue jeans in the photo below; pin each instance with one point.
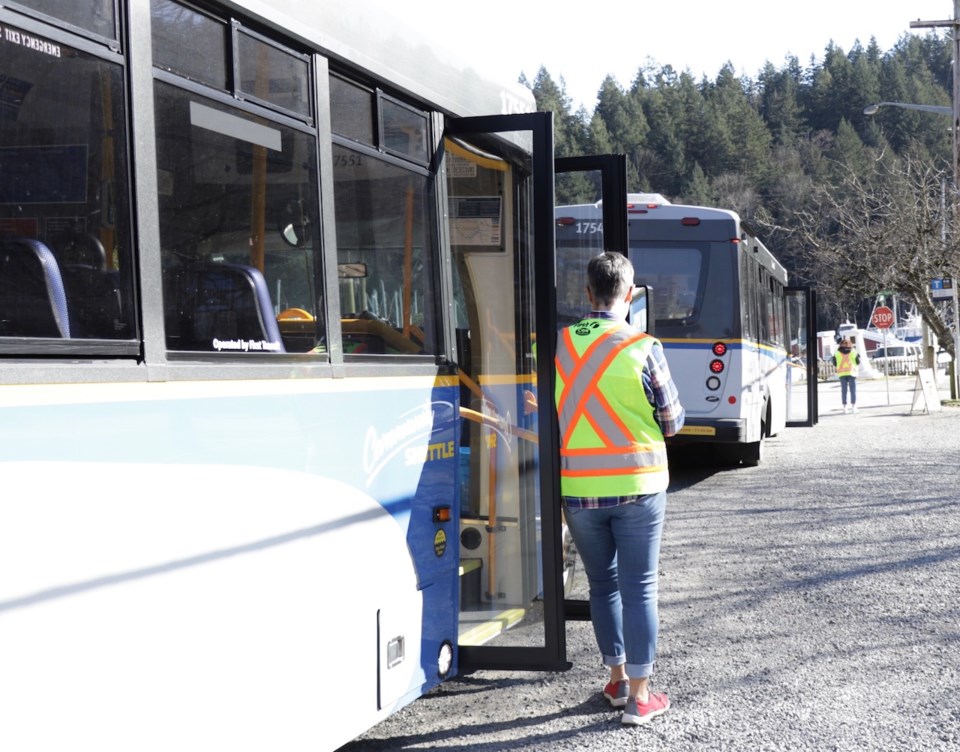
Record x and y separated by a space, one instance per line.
620 550
848 382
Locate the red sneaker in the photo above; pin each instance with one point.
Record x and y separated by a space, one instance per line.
617 693
637 713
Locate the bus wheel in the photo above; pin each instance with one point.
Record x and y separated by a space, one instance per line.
752 453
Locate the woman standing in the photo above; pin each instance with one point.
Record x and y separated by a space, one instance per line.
848 364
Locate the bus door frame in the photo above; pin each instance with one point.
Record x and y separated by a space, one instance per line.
808 301
613 170
552 655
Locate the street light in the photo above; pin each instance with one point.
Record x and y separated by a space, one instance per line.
874 108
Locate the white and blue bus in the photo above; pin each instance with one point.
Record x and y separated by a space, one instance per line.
267 321
733 332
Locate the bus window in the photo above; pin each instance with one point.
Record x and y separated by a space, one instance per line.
352 110
64 216
97 17
748 300
578 239
238 213
189 43
386 254
675 274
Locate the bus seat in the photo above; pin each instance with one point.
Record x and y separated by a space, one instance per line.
79 248
93 296
219 306
33 302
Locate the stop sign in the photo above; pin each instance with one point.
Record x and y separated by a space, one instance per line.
882 317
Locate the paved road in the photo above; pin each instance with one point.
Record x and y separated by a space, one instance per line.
811 603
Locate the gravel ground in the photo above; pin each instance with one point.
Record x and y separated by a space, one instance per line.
811 603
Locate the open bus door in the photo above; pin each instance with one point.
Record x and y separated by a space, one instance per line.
801 314
501 279
499 195
606 174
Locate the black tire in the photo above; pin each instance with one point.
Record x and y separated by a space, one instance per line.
751 454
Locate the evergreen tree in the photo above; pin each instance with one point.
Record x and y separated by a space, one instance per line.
779 107
697 191
661 160
749 137
570 136
569 130
625 125
848 150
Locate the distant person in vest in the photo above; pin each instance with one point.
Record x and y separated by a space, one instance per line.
848 365
616 402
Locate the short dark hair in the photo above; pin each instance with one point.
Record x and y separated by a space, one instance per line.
609 276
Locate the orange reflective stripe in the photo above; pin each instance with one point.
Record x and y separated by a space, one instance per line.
605 472
635 458
626 435
570 451
564 361
578 361
571 386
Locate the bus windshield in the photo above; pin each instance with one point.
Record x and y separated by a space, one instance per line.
674 274
680 276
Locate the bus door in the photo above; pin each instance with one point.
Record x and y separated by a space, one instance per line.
580 179
497 174
500 202
802 407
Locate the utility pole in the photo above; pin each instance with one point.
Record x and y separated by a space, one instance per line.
954 25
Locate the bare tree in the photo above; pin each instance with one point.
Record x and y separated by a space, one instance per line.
893 229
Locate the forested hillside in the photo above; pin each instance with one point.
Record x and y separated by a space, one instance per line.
852 204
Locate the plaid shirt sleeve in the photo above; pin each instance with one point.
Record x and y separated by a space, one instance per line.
662 392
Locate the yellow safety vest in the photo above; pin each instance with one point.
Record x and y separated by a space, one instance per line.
846 362
610 443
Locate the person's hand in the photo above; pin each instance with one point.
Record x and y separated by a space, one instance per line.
529 402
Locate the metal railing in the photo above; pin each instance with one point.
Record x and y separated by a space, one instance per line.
898 366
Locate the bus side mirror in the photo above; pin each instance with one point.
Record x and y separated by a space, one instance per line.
641 308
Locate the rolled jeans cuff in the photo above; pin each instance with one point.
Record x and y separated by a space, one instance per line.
639 670
614 660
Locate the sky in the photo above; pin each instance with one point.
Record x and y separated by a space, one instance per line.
583 42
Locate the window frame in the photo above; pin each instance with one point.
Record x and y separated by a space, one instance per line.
108 52
114 43
378 96
439 343
146 356
237 28
321 288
